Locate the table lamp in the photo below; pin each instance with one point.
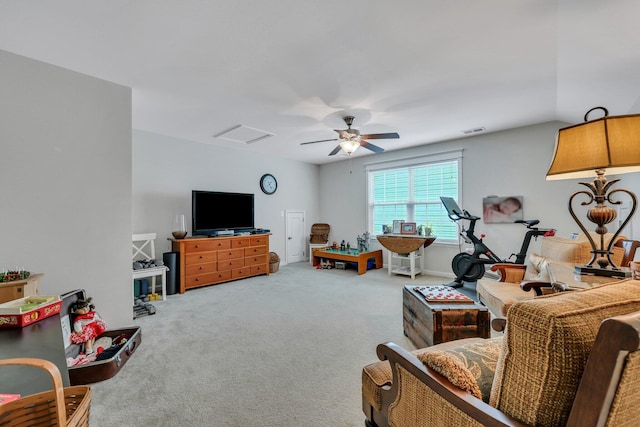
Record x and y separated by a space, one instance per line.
610 144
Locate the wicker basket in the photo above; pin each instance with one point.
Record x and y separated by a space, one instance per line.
274 262
62 406
319 233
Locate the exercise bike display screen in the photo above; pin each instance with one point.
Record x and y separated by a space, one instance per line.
451 206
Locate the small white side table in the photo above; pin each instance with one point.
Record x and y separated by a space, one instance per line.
415 263
405 248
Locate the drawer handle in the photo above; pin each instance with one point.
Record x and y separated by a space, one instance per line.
197 279
197 246
201 257
201 267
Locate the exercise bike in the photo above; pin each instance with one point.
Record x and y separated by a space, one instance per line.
469 267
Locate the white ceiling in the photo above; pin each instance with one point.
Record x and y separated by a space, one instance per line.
426 69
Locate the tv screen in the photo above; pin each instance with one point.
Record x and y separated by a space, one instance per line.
214 211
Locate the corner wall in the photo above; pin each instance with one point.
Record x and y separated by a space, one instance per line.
166 169
65 182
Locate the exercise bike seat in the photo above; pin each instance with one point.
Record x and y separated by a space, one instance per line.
530 222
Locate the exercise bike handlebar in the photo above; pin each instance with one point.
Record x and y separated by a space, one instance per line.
528 222
456 216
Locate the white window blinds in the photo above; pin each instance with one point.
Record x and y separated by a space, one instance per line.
411 192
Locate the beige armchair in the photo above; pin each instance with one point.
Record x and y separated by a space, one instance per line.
523 282
570 358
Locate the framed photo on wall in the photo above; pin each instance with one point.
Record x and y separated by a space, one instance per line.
408 228
397 226
501 209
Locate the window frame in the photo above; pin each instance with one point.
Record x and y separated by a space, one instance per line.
440 157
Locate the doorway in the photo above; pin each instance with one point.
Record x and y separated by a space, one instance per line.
296 244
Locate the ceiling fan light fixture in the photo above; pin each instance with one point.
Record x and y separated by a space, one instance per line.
350 139
349 146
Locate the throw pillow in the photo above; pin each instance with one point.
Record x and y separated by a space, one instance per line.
469 367
536 269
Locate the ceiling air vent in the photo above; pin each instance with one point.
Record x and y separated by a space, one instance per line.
244 134
474 130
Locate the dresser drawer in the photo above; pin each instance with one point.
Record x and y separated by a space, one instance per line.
206 245
222 276
200 280
200 258
242 242
259 269
255 250
201 268
260 259
230 254
230 264
259 240
238 273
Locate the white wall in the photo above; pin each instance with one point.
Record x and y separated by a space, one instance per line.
65 182
512 162
166 169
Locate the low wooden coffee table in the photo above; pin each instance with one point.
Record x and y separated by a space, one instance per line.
428 323
360 258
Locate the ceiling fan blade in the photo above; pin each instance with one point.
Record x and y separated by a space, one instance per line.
391 135
322 140
371 147
335 150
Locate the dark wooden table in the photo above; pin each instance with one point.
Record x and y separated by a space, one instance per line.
41 340
426 323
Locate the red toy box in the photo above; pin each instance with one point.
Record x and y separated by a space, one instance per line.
25 311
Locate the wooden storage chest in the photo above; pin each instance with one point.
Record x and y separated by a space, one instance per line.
426 324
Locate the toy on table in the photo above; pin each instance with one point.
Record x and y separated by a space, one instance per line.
87 324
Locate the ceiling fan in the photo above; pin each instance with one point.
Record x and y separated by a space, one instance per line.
351 139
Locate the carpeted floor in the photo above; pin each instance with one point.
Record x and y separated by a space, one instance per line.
283 350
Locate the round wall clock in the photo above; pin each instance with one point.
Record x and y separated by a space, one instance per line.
268 183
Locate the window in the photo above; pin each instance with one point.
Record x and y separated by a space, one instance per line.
410 191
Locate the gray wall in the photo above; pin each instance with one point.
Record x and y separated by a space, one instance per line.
65 181
166 169
512 162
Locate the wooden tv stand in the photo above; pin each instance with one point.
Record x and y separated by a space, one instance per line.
209 260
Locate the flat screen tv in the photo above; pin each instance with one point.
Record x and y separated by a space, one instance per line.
214 211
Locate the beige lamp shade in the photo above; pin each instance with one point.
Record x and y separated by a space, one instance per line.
611 143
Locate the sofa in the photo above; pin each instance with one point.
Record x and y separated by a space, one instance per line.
568 358
521 282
